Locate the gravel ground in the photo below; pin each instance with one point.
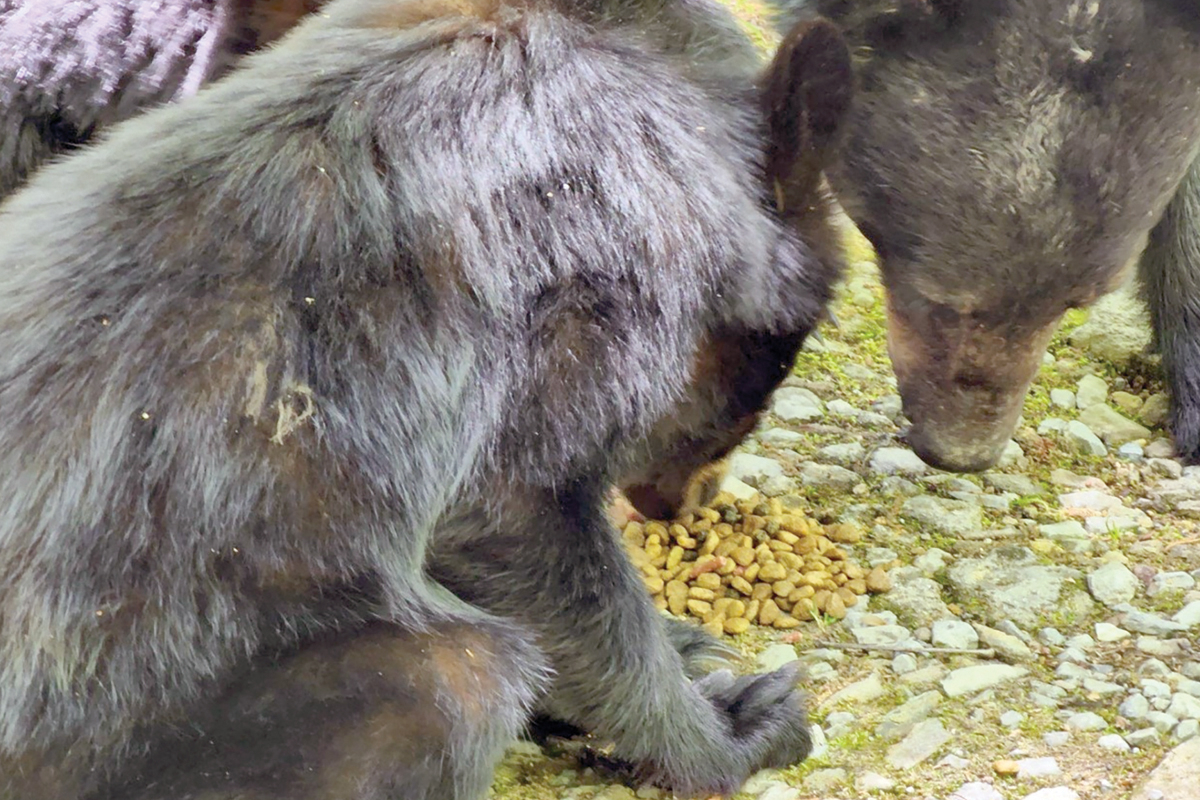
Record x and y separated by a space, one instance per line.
1040 637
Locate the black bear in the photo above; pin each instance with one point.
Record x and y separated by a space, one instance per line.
1007 159
308 411
69 68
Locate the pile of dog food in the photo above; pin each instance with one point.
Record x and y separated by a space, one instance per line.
734 563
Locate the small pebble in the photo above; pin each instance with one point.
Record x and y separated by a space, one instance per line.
1056 738
1114 742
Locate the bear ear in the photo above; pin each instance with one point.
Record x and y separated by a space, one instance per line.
808 90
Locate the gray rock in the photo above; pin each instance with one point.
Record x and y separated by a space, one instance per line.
1012 456
976 790
864 691
1166 648
1184 706
1117 329
843 455
885 635
915 597
779 790
780 437
1069 535
925 739
1145 622
1180 768
1090 499
1012 719
1162 721
840 408
1092 390
1014 586
897 461
1007 646
969 680
899 721
1112 428
951 517
873 782
1168 582
1132 452
761 781
954 633
1051 425
738 488
869 419
1187 729
1155 410
1142 737
932 560
879 556
1165 467
1051 637
753 469
1054 793
890 406
775 657
1135 707
1044 767
1113 584
839 723
823 781
1079 437
1102 688
1056 738
1152 688
1188 686
1189 615
778 486
1107 632
1114 742
1063 398
904 663
924 676
828 475
1017 484
1086 721
793 404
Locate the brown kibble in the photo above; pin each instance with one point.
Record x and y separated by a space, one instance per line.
806 545
699 608
660 602
736 625
727 547
779 547
700 593
1006 767
762 591
790 560
878 581
634 534
821 599
835 554
844 532
835 606
794 524
763 555
727 566
858 586
853 571
721 605
801 593
709 580
768 613
653 550
655 584
814 578
744 556
656 528
785 622
752 609
772 572
740 584
723 529
783 588
677 596
687 542
674 557
711 543
787 537
849 598
709 515
714 627
701 526
751 573
736 608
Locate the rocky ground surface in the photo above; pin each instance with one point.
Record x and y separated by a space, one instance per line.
1040 636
